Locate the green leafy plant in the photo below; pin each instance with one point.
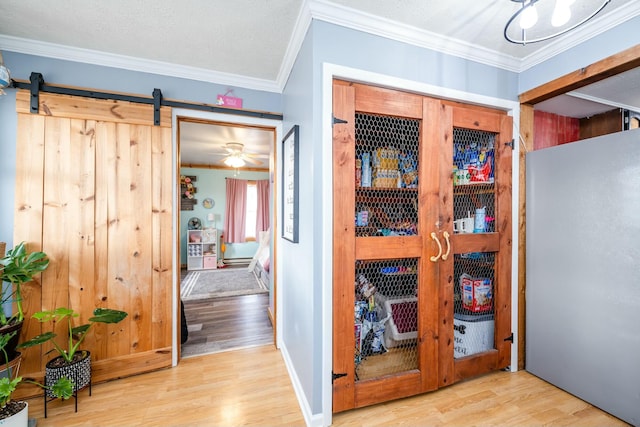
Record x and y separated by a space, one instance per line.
7 387
76 335
18 267
63 388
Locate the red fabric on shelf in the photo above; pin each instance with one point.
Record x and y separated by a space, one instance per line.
405 316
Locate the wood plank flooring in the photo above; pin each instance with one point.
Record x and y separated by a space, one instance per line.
251 387
222 324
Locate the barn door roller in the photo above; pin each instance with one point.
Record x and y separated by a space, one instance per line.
37 85
36 82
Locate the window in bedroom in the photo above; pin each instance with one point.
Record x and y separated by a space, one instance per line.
251 215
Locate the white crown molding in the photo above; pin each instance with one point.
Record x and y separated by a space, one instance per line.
55 51
295 43
603 101
590 29
361 21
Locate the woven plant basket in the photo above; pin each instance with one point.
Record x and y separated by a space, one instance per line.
79 372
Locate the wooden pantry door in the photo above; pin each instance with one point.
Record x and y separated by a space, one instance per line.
94 191
383 261
476 339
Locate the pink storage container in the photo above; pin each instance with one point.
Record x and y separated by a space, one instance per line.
209 262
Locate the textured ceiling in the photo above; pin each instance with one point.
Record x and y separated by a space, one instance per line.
203 143
252 43
251 38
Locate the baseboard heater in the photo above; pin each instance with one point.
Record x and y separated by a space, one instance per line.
236 261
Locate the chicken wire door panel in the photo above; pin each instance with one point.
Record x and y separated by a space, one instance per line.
386 175
473 309
478 323
386 317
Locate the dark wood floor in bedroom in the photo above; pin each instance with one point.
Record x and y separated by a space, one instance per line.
222 324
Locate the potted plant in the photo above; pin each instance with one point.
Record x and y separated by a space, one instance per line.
17 267
71 362
16 413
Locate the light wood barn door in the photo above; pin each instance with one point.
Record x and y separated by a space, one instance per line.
94 191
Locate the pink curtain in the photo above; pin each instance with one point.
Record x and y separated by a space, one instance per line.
262 216
235 211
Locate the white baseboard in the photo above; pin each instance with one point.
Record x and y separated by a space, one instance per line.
236 261
311 420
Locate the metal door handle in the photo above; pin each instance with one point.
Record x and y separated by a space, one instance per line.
446 238
434 237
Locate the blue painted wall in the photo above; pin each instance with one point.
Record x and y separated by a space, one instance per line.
343 46
298 283
211 183
615 40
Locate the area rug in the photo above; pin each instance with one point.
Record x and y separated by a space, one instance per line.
219 283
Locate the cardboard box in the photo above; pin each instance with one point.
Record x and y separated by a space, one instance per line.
476 293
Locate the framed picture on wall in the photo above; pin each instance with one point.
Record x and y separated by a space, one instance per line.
290 176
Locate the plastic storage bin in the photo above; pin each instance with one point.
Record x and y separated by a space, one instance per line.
402 326
210 262
472 333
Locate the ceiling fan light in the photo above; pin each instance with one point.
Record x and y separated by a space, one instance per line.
529 17
234 162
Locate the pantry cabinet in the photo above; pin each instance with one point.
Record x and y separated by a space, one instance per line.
417 303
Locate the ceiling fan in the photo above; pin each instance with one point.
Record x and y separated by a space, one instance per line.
236 157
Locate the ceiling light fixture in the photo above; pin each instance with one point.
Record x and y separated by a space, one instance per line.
234 161
556 18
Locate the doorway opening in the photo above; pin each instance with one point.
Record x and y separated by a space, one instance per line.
213 149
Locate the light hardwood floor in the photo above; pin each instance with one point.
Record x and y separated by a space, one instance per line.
251 387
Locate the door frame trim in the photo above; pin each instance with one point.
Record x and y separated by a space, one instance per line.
329 73
178 113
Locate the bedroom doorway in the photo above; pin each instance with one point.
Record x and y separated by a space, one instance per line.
204 142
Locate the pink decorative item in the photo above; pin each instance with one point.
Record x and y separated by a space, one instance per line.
229 101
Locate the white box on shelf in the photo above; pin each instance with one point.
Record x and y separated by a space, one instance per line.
194 263
472 333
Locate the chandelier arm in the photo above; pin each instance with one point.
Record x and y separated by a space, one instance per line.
524 41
